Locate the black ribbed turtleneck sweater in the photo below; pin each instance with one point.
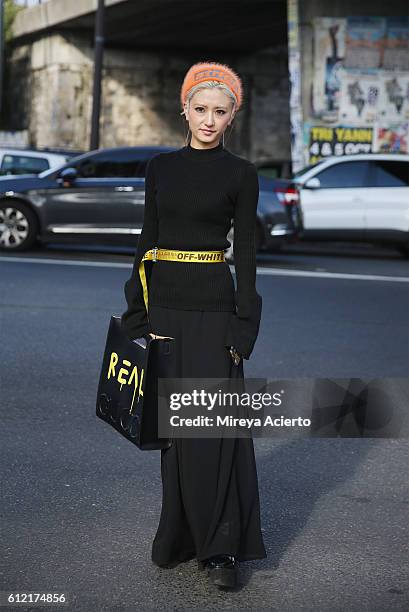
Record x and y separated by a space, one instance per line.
191 195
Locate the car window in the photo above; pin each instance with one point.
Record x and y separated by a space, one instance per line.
306 168
344 175
390 173
22 164
111 165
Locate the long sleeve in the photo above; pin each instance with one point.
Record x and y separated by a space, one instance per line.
244 325
134 321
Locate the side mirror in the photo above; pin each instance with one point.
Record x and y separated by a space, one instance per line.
67 176
312 183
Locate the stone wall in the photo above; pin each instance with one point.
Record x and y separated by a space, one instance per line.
51 80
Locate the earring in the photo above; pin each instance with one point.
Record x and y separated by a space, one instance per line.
223 139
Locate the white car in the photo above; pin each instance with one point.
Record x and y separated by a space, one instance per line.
362 197
22 161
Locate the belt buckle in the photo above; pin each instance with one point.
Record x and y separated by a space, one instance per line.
155 253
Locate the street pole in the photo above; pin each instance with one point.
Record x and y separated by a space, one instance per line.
96 90
295 74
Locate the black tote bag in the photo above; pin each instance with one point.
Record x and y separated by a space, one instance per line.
127 397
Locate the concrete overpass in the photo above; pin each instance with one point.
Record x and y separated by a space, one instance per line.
232 26
149 45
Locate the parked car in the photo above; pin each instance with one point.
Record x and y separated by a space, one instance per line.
279 217
24 161
99 198
363 197
279 214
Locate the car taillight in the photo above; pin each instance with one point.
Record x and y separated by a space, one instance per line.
287 195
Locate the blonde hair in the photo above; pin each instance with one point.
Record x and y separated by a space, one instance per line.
210 85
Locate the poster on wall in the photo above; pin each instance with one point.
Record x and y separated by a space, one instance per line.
360 86
364 42
324 141
329 50
396 46
361 70
367 98
394 101
360 96
391 138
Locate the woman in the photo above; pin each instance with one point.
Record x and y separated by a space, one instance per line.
210 507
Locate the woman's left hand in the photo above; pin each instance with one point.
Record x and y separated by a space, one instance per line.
236 357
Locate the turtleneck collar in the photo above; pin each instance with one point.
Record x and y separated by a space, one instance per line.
190 152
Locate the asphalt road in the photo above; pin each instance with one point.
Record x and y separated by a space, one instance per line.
81 504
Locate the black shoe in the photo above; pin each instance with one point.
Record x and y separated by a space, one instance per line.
221 570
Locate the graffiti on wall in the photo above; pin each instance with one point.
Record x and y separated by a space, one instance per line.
361 79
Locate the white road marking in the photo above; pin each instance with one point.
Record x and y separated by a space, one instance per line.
265 271
67 262
372 277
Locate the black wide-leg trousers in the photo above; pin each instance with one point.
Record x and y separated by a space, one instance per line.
210 502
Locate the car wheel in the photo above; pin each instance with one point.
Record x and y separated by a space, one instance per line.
18 226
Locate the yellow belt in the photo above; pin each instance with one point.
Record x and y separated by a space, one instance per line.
175 255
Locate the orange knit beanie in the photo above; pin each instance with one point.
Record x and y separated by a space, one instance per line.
212 71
